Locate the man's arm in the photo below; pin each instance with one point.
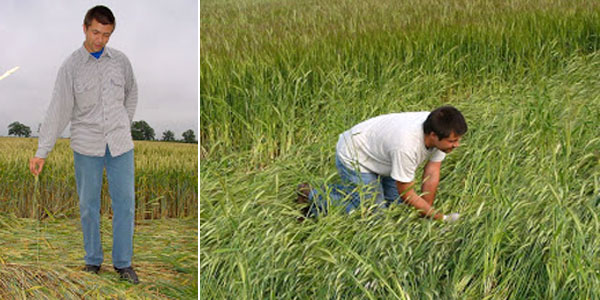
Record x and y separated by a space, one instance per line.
56 119
431 179
409 196
58 114
131 92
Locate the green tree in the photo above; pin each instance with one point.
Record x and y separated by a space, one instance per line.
18 129
189 136
140 130
168 136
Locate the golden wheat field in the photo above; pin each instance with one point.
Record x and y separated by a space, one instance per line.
166 177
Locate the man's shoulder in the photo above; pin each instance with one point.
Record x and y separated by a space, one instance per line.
75 57
115 53
405 132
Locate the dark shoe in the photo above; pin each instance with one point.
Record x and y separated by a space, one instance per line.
303 190
128 274
92 269
303 214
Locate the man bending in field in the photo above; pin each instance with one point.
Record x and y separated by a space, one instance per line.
381 155
96 92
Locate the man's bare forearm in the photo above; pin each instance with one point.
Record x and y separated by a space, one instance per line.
429 189
421 205
431 179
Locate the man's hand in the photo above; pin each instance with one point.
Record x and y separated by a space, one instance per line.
36 165
451 218
409 196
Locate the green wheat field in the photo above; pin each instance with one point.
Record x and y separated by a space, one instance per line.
41 243
281 79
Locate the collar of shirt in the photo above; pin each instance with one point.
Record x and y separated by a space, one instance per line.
85 55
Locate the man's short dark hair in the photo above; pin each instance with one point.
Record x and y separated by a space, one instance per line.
445 120
101 14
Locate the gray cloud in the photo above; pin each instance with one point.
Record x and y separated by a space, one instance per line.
160 38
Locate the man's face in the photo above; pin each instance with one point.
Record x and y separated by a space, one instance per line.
448 144
96 35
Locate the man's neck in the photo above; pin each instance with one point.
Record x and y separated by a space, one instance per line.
98 53
429 141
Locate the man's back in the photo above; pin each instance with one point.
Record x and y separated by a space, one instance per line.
385 143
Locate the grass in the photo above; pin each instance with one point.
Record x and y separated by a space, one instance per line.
282 79
45 260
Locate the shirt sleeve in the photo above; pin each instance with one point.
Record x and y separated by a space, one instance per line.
404 166
437 156
131 93
58 114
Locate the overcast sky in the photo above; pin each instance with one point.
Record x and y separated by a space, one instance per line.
160 38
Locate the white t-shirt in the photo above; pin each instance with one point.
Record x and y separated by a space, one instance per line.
389 145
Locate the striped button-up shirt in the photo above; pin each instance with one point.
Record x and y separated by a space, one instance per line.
98 97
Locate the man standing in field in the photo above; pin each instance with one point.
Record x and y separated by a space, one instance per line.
381 155
96 91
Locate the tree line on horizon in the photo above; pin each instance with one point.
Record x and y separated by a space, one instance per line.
140 131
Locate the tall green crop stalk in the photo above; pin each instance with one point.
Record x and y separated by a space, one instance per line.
35 205
35 214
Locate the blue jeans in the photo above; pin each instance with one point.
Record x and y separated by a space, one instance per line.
120 176
355 186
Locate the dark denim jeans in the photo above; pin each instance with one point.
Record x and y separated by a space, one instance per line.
355 186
